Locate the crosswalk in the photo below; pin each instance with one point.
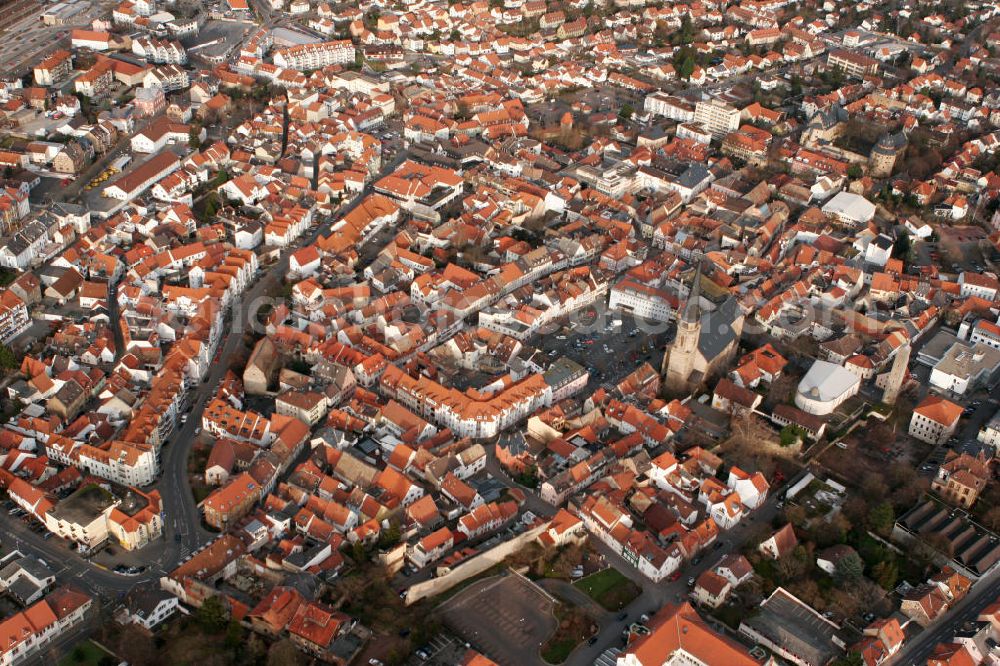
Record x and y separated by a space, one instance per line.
608 658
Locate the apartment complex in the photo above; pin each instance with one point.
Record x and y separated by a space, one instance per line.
717 117
315 56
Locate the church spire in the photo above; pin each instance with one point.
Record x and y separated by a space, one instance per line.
692 308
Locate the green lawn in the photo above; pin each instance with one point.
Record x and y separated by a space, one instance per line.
574 627
85 654
609 588
558 651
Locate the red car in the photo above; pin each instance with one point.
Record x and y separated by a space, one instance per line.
675 576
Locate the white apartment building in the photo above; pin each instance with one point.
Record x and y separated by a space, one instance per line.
14 316
315 56
159 51
28 632
985 333
717 117
974 284
669 106
432 547
989 434
123 462
965 367
642 301
934 420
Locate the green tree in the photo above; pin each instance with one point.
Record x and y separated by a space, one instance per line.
8 359
684 62
791 434
234 636
849 567
194 138
881 518
829 533
886 573
901 248
991 519
796 87
284 653
626 111
854 171
389 537
686 33
212 615
211 206
849 659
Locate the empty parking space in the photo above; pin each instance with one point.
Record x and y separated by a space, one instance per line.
506 618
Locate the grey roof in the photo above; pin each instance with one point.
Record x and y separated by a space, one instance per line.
882 241
143 602
24 238
30 565
562 371
796 627
717 330
24 589
84 505
693 176
969 361
890 143
974 548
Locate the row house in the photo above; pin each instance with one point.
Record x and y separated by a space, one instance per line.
614 528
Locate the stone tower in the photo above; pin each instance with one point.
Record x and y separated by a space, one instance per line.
678 361
896 375
884 155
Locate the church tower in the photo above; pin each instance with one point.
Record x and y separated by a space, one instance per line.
678 361
896 375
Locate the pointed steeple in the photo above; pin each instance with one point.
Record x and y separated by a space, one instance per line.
692 309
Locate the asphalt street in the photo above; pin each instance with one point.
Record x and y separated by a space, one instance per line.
916 651
181 514
656 595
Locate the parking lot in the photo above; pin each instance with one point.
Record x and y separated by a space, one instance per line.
610 344
506 618
34 39
442 650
